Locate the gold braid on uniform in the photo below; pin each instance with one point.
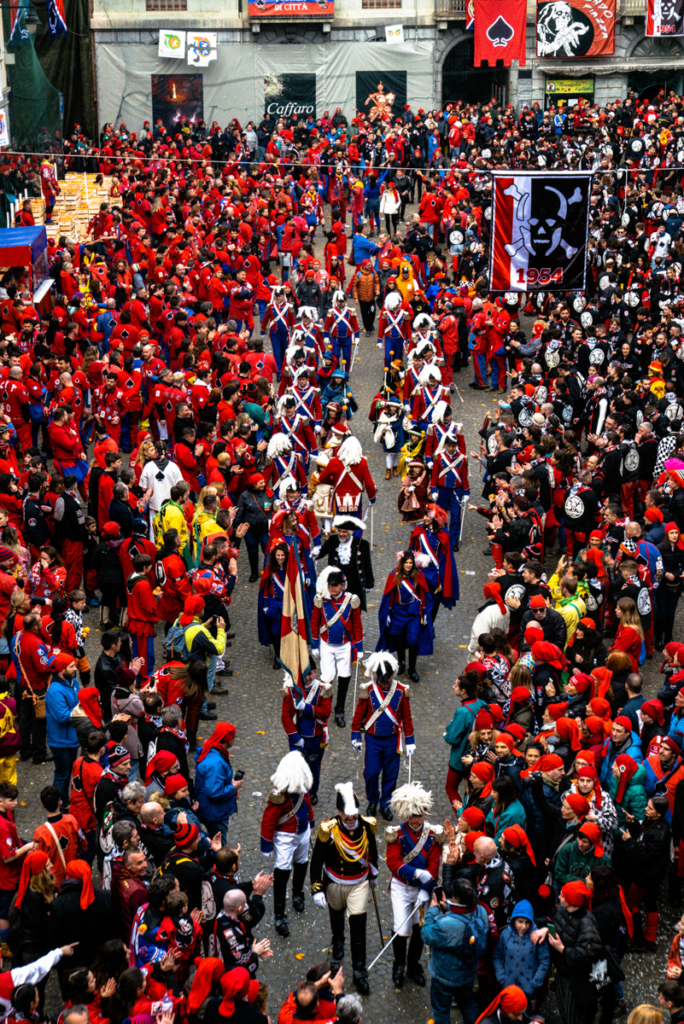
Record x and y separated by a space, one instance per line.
359 846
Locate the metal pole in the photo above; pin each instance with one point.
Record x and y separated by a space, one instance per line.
377 911
372 512
393 937
356 678
459 393
409 767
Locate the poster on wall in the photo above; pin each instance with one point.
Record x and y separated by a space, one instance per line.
291 8
540 226
290 95
381 93
583 28
500 34
202 48
4 128
665 18
175 97
171 44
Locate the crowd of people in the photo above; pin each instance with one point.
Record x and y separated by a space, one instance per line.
205 336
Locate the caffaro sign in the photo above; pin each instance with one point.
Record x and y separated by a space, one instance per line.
290 95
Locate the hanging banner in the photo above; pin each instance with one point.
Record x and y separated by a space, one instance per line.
175 97
201 48
4 128
665 18
500 36
581 28
291 8
56 19
289 95
540 228
381 94
171 44
394 33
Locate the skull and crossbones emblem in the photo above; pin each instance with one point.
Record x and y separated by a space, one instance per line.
541 236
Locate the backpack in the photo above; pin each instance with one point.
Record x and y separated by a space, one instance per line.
473 943
174 646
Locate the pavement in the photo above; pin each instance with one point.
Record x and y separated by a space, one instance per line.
254 704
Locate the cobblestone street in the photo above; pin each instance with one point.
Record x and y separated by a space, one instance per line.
254 704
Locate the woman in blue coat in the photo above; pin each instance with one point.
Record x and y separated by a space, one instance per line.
270 600
215 789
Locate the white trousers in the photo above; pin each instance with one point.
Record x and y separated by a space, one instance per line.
404 900
335 660
289 848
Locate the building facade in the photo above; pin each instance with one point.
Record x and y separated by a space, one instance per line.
317 55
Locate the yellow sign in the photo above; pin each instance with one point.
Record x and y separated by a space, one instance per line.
570 86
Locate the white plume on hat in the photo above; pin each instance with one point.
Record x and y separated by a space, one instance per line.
423 320
350 452
322 581
282 402
339 296
425 348
292 350
342 520
439 410
393 301
380 660
278 445
429 373
411 799
287 483
307 311
346 798
292 775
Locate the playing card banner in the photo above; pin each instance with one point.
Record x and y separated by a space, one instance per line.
540 224
500 31
582 28
665 18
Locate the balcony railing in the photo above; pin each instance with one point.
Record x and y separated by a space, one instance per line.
445 9
632 8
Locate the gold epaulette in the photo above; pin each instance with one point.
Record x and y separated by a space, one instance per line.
318 601
276 798
391 833
324 830
355 601
364 690
326 690
371 822
439 833
407 689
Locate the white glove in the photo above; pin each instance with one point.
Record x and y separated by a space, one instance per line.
268 855
320 900
424 896
423 876
299 743
356 744
410 749
300 705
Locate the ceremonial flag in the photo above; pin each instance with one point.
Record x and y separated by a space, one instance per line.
18 31
56 18
294 624
575 28
540 228
665 18
500 31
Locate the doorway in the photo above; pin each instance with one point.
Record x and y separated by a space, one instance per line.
462 81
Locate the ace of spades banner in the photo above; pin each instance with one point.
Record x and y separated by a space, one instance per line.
500 32
540 226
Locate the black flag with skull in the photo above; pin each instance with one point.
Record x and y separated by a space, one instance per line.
539 231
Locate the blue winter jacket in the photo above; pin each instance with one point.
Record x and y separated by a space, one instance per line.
363 249
60 700
517 961
214 789
459 729
457 941
610 752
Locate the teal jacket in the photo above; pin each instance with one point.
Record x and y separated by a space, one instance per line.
459 729
634 800
513 815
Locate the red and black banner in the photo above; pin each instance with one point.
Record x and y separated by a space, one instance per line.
500 31
580 28
540 225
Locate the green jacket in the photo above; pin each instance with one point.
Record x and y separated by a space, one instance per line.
634 800
572 864
459 729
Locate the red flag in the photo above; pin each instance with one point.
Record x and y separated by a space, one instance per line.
500 31
294 624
